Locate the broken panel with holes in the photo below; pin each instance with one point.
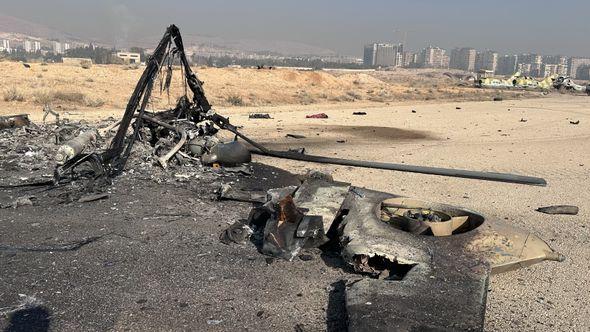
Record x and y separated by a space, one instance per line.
427 264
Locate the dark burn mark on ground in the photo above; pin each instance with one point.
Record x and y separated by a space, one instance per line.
373 132
142 277
317 136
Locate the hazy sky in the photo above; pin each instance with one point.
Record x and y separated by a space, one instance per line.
549 27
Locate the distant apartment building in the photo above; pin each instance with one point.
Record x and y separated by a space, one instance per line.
530 64
36 46
463 58
576 67
6 46
383 55
555 60
58 48
129 57
524 68
549 69
67 46
433 57
530 58
28 46
507 64
407 59
486 60
583 72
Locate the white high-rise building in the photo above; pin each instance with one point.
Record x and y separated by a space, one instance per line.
383 55
36 46
6 46
58 48
28 46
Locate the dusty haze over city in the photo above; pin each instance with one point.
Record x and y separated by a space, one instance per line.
344 26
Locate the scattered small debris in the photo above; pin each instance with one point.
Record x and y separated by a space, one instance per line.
341 141
92 197
14 121
498 99
47 110
71 246
22 201
26 65
305 257
414 111
26 302
259 116
559 209
297 150
317 116
296 136
575 122
299 328
457 108
238 233
214 322
523 120
359 113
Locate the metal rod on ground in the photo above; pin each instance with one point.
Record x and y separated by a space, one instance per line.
458 173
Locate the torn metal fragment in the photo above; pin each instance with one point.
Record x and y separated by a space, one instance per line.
227 192
259 116
322 197
74 147
559 209
296 136
14 121
289 230
93 197
317 116
238 233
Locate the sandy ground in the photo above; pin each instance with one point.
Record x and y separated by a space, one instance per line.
532 137
481 136
69 88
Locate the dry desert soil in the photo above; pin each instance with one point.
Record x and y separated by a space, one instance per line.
530 136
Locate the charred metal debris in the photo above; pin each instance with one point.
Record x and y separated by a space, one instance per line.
420 265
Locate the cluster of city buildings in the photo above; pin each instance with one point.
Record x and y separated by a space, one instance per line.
34 46
469 59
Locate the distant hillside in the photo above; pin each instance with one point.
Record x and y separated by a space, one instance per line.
17 26
289 48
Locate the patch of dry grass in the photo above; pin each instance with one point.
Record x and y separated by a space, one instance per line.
68 97
234 100
13 94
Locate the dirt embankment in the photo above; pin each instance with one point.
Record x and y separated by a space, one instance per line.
109 86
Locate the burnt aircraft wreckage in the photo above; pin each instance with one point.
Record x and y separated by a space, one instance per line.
426 265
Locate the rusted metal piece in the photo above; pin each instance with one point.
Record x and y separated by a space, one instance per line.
14 121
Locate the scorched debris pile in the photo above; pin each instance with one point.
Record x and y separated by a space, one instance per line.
414 254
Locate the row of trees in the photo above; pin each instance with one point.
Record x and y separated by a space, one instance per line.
287 62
